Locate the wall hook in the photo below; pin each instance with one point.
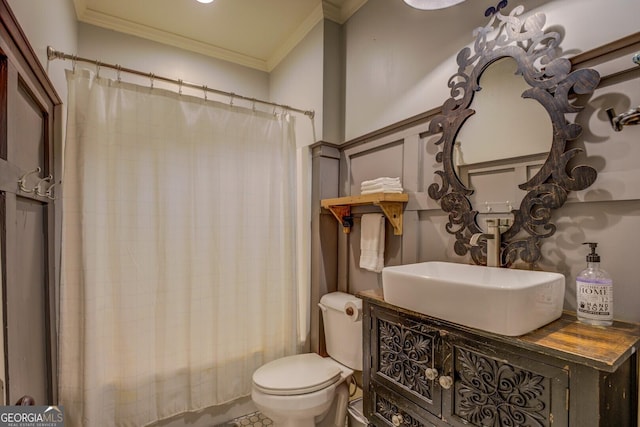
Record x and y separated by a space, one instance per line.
22 182
49 193
37 188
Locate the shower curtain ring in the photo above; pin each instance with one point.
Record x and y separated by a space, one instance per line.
151 77
118 69
205 89
74 61
97 69
180 86
231 96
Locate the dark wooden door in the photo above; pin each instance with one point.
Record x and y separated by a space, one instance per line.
495 387
28 111
400 351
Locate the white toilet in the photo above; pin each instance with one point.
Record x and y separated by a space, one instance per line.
308 390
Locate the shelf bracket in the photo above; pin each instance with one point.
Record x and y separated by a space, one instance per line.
391 204
343 215
393 212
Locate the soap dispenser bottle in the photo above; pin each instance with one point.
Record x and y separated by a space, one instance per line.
594 292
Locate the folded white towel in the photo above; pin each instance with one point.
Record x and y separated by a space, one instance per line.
374 186
381 185
372 242
382 190
381 180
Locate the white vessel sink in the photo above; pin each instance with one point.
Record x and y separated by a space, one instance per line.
500 300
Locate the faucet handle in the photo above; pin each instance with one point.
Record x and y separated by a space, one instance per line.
504 224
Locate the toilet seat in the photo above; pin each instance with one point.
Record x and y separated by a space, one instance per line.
299 374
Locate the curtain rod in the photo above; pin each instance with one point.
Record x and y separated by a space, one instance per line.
55 54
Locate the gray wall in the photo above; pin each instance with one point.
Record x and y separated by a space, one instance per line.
399 58
608 212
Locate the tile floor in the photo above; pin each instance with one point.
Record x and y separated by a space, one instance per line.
254 420
257 419
251 420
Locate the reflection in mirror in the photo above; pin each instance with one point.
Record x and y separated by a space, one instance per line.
505 124
504 143
479 158
495 185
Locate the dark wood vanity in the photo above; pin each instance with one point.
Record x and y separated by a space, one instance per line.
423 371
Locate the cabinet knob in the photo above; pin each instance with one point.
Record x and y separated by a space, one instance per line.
445 382
431 373
397 420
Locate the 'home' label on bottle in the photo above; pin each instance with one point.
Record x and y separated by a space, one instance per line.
595 299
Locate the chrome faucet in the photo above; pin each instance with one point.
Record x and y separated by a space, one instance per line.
495 228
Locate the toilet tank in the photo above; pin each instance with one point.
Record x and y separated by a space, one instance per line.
343 332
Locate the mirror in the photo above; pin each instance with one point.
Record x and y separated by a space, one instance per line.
497 148
493 169
505 125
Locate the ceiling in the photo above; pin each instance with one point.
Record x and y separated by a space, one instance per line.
253 33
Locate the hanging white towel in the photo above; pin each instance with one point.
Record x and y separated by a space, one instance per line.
372 242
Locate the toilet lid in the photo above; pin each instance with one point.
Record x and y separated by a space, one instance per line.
303 373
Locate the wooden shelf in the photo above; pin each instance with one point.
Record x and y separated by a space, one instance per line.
390 203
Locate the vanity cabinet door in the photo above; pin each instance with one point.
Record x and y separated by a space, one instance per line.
388 410
405 358
494 387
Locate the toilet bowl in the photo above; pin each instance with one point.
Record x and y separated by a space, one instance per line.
301 390
309 390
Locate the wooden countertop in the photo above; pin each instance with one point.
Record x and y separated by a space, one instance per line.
601 347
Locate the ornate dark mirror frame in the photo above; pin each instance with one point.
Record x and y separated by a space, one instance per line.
554 86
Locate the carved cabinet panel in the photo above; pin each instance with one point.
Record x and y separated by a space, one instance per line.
442 377
391 411
421 371
494 387
404 351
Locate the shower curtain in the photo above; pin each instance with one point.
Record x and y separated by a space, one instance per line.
179 251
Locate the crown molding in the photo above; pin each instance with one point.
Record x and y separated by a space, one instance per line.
340 11
336 10
296 37
117 24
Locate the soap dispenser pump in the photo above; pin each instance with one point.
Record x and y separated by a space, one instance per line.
594 292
